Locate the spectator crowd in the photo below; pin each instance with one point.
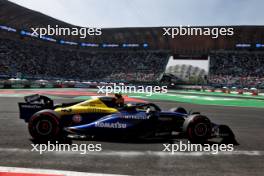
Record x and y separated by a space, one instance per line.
242 69
31 61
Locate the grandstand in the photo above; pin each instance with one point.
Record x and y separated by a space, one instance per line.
237 69
39 62
123 54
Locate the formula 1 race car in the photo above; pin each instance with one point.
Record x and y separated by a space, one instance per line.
103 117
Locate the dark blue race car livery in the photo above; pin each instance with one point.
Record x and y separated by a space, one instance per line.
103 117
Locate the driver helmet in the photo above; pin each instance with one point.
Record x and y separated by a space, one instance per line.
119 100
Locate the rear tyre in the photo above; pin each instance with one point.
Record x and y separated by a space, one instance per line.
197 128
44 126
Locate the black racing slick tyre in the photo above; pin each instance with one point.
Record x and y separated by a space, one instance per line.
198 128
44 126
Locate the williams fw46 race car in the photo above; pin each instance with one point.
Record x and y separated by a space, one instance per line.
108 117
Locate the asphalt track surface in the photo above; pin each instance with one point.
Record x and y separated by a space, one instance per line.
144 158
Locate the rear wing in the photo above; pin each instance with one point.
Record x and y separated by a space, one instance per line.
33 104
36 98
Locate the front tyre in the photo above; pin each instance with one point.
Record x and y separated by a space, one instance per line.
44 126
198 128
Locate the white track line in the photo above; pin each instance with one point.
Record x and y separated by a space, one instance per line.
49 171
140 153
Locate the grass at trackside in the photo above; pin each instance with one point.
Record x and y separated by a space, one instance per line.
195 97
210 100
202 100
48 89
260 96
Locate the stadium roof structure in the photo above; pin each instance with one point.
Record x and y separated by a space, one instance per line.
22 18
